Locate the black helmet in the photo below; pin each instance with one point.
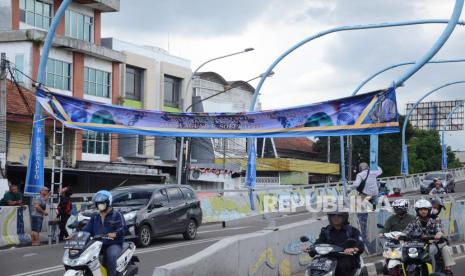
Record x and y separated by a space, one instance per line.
344 215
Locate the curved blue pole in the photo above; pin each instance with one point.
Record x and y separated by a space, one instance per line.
364 82
443 142
404 164
36 158
453 21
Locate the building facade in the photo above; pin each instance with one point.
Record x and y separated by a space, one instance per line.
156 80
78 66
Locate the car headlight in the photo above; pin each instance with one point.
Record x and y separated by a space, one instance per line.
130 216
323 250
392 253
412 252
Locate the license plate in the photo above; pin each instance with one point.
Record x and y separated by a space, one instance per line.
321 264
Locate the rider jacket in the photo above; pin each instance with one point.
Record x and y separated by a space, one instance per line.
417 228
330 235
397 223
114 223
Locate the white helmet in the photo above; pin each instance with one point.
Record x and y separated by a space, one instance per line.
400 206
423 204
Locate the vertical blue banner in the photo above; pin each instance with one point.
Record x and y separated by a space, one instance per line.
35 171
444 157
404 167
251 173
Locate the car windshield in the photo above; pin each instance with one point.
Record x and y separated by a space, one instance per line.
433 176
131 198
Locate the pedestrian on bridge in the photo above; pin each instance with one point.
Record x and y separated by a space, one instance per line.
366 183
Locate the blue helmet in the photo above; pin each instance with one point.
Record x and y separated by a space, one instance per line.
103 196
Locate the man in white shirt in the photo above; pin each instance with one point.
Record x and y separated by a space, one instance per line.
371 183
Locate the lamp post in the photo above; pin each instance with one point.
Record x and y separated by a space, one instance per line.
454 20
181 147
443 142
404 162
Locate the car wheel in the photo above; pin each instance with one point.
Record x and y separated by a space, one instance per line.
144 236
191 230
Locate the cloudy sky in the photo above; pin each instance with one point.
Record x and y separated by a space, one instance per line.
327 68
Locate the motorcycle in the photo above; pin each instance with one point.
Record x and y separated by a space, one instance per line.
82 256
416 259
324 263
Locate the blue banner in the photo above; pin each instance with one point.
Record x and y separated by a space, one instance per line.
444 157
35 171
404 163
371 113
251 172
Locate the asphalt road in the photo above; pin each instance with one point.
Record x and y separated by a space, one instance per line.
46 260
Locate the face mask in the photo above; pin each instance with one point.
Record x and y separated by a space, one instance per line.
102 207
434 211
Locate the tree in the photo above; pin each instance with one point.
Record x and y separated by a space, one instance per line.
452 161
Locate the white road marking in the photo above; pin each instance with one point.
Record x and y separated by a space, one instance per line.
29 255
223 229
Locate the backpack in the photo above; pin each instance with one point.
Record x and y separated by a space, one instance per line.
362 185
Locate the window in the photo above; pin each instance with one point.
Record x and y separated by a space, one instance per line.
140 144
133 83
188 193
35 13
95 142
172 91
79 26
97 82
58 74
160 196
131 198
19 64
174 194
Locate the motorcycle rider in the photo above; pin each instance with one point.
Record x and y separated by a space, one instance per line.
446 252
425 225
337 233
400 219
438 188
109 223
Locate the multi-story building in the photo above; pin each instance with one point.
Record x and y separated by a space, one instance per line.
78 66
156 80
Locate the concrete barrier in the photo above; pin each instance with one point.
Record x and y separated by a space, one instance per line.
15 226
266 252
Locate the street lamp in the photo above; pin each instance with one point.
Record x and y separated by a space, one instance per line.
181 147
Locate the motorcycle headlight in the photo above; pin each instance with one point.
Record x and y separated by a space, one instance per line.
130 216
412 252
323 250
392 253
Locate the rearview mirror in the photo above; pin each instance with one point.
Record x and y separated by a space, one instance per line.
156 205
304 239
380 226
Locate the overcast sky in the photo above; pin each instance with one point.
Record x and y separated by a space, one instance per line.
327 68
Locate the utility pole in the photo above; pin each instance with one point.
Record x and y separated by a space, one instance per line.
3 64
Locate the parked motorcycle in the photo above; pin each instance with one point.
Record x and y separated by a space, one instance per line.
324 263
82 255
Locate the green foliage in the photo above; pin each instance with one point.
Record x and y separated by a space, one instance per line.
452 161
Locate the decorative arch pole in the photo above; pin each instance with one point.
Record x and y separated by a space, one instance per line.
35 168
250 176
443 141
404 162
